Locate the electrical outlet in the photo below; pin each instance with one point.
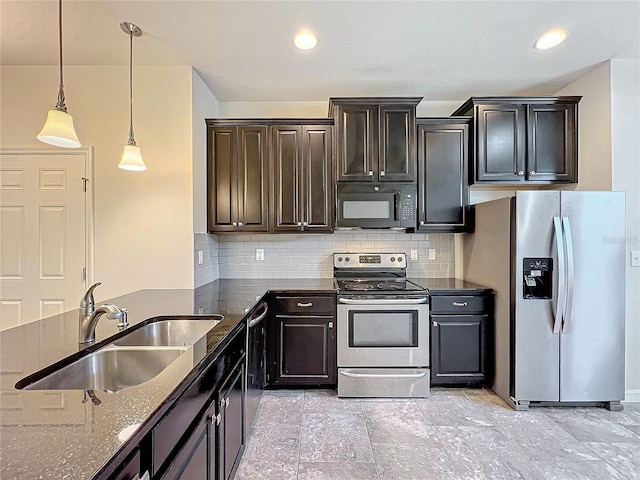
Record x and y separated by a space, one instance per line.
200 310
259 253
635 258
414 254
200 257
432 254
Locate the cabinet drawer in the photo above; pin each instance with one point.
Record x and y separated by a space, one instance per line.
306 304
459 304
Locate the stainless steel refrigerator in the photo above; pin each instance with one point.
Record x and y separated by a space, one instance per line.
556 260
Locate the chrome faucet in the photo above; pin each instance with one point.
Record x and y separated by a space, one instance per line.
89 316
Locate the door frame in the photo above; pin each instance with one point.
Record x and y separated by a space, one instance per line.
87 154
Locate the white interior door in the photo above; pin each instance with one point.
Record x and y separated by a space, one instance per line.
44 248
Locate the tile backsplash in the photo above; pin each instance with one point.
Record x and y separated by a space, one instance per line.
311 255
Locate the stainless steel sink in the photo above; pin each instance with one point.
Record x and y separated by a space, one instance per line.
110 368
178 332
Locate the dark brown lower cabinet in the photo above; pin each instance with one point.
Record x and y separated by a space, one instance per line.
302 341
231 426
192 462
460 340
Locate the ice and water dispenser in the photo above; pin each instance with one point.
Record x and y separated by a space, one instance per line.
536 278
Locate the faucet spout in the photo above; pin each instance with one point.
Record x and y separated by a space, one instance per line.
89 316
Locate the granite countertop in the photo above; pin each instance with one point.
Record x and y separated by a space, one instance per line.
446 285
63 434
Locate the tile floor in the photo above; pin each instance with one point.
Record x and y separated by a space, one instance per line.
453 434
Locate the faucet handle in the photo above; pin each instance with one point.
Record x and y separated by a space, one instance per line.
87 302
123 322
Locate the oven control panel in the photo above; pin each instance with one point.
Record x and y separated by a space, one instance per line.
369 260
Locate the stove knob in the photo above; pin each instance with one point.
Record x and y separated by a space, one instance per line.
393 259
346 259
339 259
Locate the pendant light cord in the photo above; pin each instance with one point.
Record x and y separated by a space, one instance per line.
60 104
132 140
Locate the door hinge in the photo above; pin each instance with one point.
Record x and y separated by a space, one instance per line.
84 184
84 274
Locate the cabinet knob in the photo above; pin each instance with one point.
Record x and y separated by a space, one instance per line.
421 222
239 224
330 324
371 173
435 324
381 173
299 224
235 224
520 173
216 419
226 402
305 224
532 172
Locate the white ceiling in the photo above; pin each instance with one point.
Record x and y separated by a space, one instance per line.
243 50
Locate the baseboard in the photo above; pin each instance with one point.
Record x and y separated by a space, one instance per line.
632 396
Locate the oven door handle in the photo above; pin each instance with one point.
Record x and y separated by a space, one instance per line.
384 375
390 301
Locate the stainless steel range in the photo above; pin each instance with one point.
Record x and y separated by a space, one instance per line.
383 327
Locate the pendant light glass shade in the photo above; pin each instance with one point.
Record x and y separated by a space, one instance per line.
58 130
131 156
132 159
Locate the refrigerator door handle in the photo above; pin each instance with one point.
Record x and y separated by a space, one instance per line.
562 280
566 226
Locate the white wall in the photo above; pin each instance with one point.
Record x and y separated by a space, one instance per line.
609 153
625 176
143 220
594 131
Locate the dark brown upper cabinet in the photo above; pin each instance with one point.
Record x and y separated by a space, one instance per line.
303 198
237 190
443 192
374 138
519 140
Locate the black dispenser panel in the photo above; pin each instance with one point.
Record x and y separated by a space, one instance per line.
537 278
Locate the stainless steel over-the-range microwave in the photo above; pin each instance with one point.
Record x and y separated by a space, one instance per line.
376 205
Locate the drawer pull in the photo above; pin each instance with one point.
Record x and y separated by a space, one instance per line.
305 305
460 304
216 419
435 324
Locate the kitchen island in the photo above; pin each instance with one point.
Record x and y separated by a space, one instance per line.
73 434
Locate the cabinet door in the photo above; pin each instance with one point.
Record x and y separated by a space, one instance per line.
318 204
500 143
222 188
397 143
192 462
443 193
458 349
552 153
231 437
251 179
286 165
356 131
305 349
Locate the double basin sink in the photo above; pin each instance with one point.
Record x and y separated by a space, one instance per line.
131 359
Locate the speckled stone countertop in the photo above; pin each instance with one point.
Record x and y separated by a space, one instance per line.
63 434
446 285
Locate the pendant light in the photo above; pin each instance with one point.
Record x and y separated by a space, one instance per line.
131 156
58 129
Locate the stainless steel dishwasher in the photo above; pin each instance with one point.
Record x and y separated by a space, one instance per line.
255 362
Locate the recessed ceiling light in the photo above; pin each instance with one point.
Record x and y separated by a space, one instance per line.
551 39
305 41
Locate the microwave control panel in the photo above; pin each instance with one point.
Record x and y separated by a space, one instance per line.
407 208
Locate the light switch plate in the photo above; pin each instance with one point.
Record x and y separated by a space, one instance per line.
432 254
200 257
414 254
635 258
259 253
